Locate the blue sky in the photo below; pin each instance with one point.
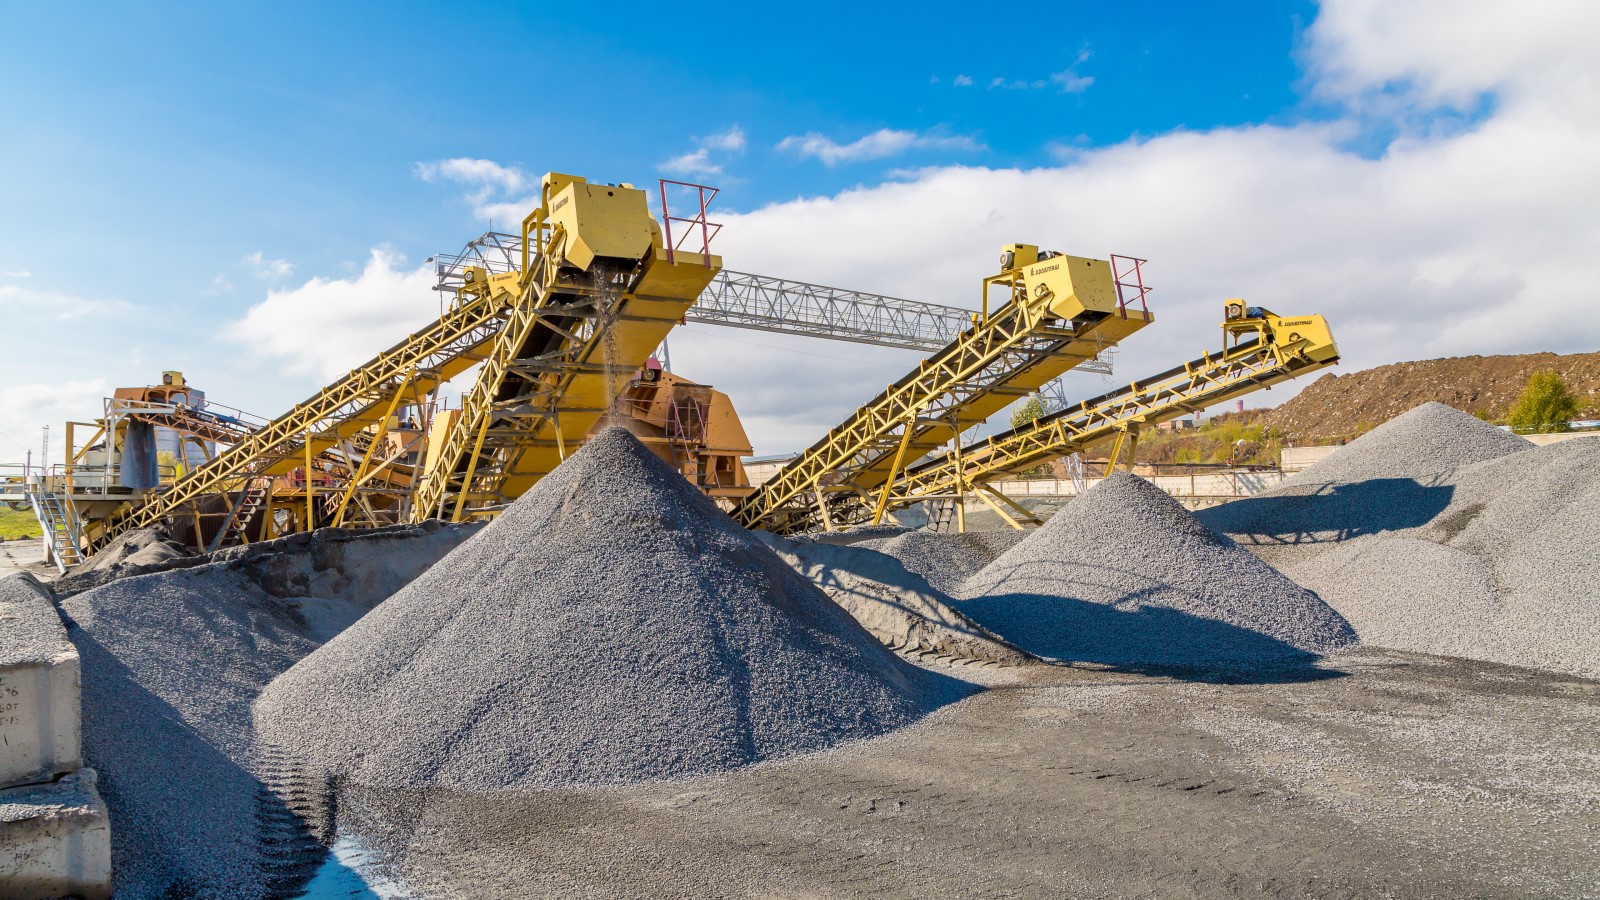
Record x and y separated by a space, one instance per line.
203 133
165 166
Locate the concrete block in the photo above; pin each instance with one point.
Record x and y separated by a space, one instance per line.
55 840
40 725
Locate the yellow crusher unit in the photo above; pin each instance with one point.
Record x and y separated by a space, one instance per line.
1260 349
597 292
1058 312
556 339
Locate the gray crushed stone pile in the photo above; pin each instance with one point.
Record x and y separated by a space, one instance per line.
171 662
945 559
895 605
1125 576
1506 572
1390 479
611 626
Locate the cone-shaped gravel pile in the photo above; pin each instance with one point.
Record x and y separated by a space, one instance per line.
612 625
1127 576
1507 572
945 559
1391 478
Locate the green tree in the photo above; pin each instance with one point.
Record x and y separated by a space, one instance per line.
1545 405
1024 415
1028 412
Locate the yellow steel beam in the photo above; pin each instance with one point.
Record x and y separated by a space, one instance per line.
1060 311
440 351
597 294
360 473
1266 349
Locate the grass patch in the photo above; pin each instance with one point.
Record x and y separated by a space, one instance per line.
17 523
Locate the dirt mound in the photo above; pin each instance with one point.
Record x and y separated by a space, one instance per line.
1127 576
612 625
1343 406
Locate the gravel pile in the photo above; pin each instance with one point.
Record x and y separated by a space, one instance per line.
171 662
611 626
1506 572
1126 576
895 605
945 559
1390 479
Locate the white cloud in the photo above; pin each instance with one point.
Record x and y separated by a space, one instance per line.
880 144
24 305
489 184
26 408
483 173
1071 82
1477 239
963 81
328 326
1017 84
710 156
22 274
696 163
265 269
731 141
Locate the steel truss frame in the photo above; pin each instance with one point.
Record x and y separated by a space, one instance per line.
779 305
333 415
1118 415
1005 355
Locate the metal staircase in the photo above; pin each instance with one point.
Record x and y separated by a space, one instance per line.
62 528
235 529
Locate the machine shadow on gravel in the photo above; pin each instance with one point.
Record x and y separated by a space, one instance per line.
1149 640
1337 512
188 791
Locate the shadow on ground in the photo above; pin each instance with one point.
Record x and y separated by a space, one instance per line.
1144 640
1330 512
187 820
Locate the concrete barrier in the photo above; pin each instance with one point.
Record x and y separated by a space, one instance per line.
55 840
40 728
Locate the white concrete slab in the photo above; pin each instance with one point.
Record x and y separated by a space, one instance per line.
40 725
55 840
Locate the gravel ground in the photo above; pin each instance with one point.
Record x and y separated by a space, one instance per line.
946 559
611 626
1127 577
171 663
1506 572
1391 478
1408 776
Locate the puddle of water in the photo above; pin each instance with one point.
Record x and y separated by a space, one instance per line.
341 876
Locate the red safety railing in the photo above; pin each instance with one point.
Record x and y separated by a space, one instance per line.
1128 275
708 230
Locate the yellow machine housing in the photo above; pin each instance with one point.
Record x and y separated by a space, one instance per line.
596 294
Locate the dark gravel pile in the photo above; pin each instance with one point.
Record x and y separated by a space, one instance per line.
611 626
1127 576
171 662
1392 478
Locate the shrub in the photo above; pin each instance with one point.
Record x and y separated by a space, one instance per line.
1545 405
